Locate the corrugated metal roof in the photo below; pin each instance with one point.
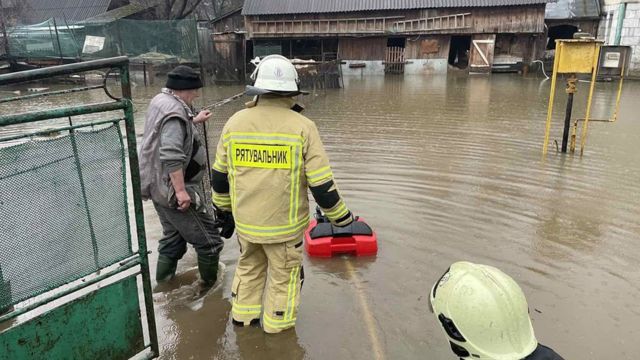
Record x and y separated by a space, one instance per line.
266 7
69 10
115 14
573 9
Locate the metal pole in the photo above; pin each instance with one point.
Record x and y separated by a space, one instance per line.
594 71
78 47
622 9
206 146
554 76
45 73
624 63
55 27
571 89
574 131
144 72
134 167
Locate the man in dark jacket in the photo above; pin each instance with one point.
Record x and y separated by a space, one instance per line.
172 166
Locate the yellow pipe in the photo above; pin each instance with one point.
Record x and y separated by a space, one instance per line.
585 126
574 131
615 112
552 95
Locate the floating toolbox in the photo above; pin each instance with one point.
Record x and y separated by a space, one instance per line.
322 239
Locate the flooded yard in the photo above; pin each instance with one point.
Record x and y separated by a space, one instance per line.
444 168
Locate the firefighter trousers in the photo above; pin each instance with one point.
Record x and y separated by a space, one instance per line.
267 284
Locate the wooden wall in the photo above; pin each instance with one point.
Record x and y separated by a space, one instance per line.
520 19
233 22
428 47
369 48
489 20
374 48
228 57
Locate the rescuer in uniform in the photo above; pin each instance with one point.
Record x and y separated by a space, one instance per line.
172 165
267 156
484 315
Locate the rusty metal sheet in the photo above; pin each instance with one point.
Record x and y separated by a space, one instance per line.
429 47
104 324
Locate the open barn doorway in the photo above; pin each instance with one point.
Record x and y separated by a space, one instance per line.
559 32
459 51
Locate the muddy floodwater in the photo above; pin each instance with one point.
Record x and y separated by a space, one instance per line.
444 168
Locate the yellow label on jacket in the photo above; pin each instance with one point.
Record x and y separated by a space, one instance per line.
262 156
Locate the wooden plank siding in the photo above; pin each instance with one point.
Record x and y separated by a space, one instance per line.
509 19
230 23
370 48
515 20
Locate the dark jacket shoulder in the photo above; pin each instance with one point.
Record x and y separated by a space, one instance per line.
543 353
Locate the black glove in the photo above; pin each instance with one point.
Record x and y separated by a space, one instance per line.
224 221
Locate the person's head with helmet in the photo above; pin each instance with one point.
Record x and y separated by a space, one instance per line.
484 315
275 75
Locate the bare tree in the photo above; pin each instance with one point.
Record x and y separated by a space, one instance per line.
211 9
181 9
11 13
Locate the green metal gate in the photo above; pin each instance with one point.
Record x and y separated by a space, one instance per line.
70 270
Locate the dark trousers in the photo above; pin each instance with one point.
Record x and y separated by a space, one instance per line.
193 227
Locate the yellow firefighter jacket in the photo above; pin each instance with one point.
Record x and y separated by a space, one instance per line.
266 158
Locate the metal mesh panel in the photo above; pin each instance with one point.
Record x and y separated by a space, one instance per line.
157 41
64 211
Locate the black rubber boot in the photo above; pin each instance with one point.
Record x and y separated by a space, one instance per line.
166 268
208 267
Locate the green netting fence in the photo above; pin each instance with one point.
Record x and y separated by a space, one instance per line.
153 41
64 212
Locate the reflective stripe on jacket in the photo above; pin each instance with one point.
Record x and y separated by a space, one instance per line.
271 154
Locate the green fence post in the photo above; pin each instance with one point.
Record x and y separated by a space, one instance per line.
134 166
5 294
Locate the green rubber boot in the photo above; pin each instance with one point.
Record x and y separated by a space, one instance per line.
166 268
208 267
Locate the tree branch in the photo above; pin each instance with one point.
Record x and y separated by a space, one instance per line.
180 14
195 5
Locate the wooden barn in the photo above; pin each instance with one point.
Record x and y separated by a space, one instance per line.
399 36
228 56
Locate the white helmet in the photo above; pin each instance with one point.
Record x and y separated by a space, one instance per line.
483 313
275 73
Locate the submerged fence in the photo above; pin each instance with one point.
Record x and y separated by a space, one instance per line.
65 229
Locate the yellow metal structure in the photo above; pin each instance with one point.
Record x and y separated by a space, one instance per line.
573 56
577 56
615 112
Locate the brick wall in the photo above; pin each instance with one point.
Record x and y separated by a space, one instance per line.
630 35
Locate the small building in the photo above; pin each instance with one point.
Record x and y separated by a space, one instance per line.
225 57
567 17
620 26
399 36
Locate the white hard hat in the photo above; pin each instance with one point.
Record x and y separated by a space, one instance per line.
483 313
274 73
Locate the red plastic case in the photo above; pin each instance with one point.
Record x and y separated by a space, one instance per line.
334 240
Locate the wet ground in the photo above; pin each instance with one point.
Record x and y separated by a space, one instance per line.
445 169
